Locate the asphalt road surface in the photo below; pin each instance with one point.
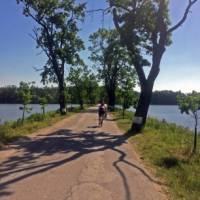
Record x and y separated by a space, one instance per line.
76 160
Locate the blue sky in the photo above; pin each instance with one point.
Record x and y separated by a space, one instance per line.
180 67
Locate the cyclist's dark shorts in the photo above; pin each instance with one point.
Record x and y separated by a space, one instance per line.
101 114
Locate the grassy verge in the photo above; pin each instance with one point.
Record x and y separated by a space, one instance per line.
166 148
11 131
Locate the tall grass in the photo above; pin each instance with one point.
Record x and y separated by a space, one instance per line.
166 148
13 130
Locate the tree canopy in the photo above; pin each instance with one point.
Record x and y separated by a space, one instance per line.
84 84
56 34
190 104
110 58
145 29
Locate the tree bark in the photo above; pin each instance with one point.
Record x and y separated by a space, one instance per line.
142 108
81 103
62 99
111 99
159 37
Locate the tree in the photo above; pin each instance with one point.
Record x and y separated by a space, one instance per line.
165 97
126 85
43 102
9 94
111 58
57 35
92 89
26 96
77 77
190 104
144 28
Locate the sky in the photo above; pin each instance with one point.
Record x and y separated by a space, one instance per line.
180 66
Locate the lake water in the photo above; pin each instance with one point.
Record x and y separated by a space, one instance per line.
10 112
169 113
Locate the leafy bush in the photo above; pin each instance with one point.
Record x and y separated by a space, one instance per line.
36 118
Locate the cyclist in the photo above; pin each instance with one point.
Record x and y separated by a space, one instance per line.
101 111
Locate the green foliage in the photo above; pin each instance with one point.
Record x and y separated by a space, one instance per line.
165 97
76 78
9 94
37 117
144 28
108 54
110 58
140 20
43 102
50 93
84 84
56 34
57 31
190 104
26 96
92 88
127 83
25 92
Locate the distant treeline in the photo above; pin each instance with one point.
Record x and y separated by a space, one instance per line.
10 95
164 97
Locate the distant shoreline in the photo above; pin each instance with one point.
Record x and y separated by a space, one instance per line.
77 103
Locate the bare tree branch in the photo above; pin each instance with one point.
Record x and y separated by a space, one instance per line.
138 67
38 69
40 53
36 38
102 10
118 5
190 4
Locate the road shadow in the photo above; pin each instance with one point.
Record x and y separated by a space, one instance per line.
72 145
96 126
113 119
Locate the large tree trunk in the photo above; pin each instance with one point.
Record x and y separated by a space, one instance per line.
142 108
146 90
81 103
111 99
62 99
159 38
